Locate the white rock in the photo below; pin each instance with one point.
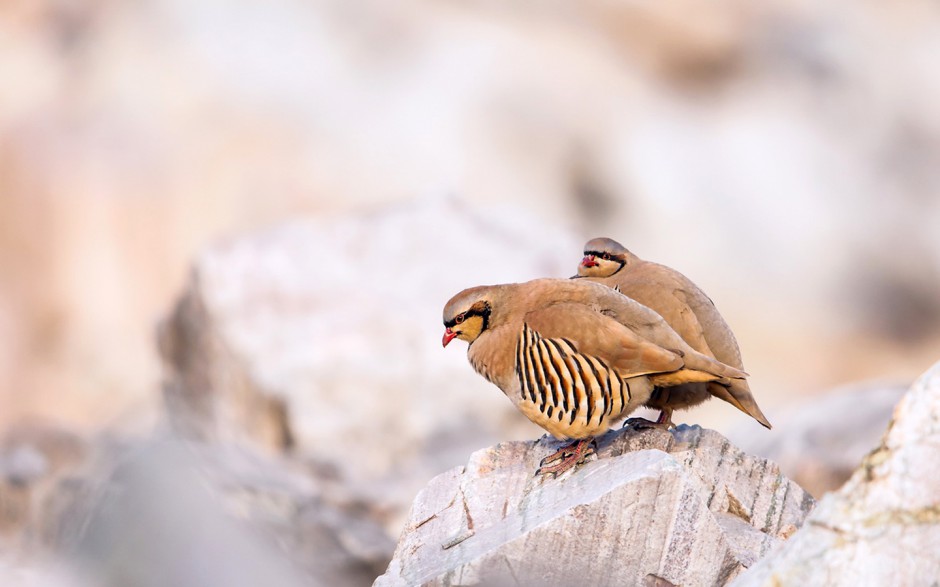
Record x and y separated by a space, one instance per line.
883 526
686 507
162 512
24 465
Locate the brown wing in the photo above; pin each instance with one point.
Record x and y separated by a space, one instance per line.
716 331
595 334
669 294
650 326
685 321
643 322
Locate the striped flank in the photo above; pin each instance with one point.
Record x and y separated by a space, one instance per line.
566 385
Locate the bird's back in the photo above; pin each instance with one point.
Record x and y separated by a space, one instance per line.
683 305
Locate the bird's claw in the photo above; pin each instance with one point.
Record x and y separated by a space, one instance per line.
567 457
664 422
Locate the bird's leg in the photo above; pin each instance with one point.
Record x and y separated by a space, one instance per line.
664 421
567 457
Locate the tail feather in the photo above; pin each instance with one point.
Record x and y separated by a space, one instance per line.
682 376
699 362
738 394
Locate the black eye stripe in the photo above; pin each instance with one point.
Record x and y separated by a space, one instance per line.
465 315
610 256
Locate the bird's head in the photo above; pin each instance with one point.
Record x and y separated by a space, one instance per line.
602 258
467 315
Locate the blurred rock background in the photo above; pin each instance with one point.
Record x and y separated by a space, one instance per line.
785 156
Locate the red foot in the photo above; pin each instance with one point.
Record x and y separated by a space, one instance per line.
567 456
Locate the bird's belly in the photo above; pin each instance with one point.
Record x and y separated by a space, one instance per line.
572 413
562 428
679 397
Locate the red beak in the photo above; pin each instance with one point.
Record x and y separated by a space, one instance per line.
588 261
449 335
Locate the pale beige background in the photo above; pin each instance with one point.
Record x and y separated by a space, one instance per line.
785 156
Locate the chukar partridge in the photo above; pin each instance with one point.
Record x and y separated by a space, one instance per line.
687 310
572 355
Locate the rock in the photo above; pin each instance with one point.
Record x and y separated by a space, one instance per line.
883 526
42 573
169 513
322 337
115 511
32 450
34 456
820 442
656 508
24 465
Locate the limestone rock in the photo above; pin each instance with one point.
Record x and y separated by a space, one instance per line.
684 508
821 442
164 512
169 513
36 574
883 526
34 457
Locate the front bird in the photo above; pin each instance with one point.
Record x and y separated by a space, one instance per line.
573 356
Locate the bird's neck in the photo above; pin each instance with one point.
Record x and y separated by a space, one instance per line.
493 353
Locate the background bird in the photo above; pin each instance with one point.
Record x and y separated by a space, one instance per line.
572 355
686 308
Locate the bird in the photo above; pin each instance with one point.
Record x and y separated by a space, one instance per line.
572 355
688 310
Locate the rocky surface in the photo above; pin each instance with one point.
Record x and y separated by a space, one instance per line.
172 513
883 526
166 512
34 459
656 508
821 442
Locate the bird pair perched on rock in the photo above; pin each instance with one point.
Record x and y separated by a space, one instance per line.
576 355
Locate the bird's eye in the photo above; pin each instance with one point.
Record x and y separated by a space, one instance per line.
606 256
459 318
